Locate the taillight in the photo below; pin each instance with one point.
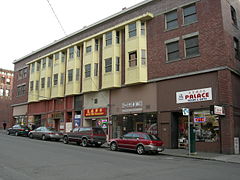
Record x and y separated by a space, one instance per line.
21 129
51 133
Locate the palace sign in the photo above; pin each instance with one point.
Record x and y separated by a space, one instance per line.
195 95
95 112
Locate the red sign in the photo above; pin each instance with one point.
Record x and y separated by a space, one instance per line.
200 119
95 112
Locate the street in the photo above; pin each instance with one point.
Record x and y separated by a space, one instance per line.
22 158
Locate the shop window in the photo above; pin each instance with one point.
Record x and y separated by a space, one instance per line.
171 20
206 126
190 14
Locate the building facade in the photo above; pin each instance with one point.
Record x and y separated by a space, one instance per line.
137 69
6 84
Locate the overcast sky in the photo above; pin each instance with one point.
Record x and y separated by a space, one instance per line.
27 25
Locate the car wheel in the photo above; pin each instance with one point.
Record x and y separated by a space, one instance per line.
140 150
65 140
84 143
16 133
113 146
43 137
30 136
8 132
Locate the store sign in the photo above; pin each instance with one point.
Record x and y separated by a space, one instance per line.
132 106
95 112
185 111
217 110
77 121
199 119
196 95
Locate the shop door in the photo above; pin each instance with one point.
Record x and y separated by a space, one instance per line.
139 126
57 124
182 131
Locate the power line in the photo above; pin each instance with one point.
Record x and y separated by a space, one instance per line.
57 18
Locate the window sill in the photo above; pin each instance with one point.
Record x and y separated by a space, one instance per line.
172 61
190 57
189 23
168 30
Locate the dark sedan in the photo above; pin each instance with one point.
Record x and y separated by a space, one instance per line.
139 142
18 130
45 133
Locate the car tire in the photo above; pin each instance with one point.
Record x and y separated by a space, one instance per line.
65 140
16 134
44 138
84 142
30 136
113 146
140 150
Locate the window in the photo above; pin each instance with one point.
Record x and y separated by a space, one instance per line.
33 68
142 28
37 85
108 38
234 16
190 14
21 90
133 59
77 74
108 65
55 79
236 47
44 63
63 56
143 57
117 63
117 37
87 70
31 85
56 55
171 20
50 62
70 75
42 82
8 81
132 30
191 46
49 82
88 49
1 92
71 53
78 51
172 51
7 92
38 66
25 70
20 74
96 44
95 69
62 78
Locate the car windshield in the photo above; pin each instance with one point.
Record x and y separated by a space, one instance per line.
153 137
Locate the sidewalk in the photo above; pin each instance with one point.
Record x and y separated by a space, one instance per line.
184 153
203 155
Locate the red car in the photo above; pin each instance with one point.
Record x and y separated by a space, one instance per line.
138 141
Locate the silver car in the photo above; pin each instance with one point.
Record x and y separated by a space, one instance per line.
45 133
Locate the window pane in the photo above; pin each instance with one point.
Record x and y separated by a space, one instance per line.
172 25
70 75
190 19
191 42
108 65
171 16
172 47
192 51
189 10
173 56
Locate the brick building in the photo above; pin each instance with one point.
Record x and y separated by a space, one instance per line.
6 84
137 69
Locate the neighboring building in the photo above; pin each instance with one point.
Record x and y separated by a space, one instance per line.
137 69
6 84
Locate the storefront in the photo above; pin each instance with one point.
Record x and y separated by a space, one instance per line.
134 109
20 114
197 93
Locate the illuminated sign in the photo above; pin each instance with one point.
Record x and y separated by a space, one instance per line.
199 119
95 112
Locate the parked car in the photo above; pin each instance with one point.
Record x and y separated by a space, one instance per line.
139 142
86 136
45 133
18 130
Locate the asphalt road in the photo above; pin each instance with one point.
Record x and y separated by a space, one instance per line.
29 159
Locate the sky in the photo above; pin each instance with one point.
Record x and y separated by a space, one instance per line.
27 25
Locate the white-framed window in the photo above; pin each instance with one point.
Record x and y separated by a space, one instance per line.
31 85
108 38
132 58
117 63
87 70
71 52
191 46
143 29
42 83
55 79
171 19
143 56
173 51
70 75
88 49
189 14
108 65
132 30
43 63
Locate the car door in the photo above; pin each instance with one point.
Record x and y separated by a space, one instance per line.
124 142
73 135
134 141
36 132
